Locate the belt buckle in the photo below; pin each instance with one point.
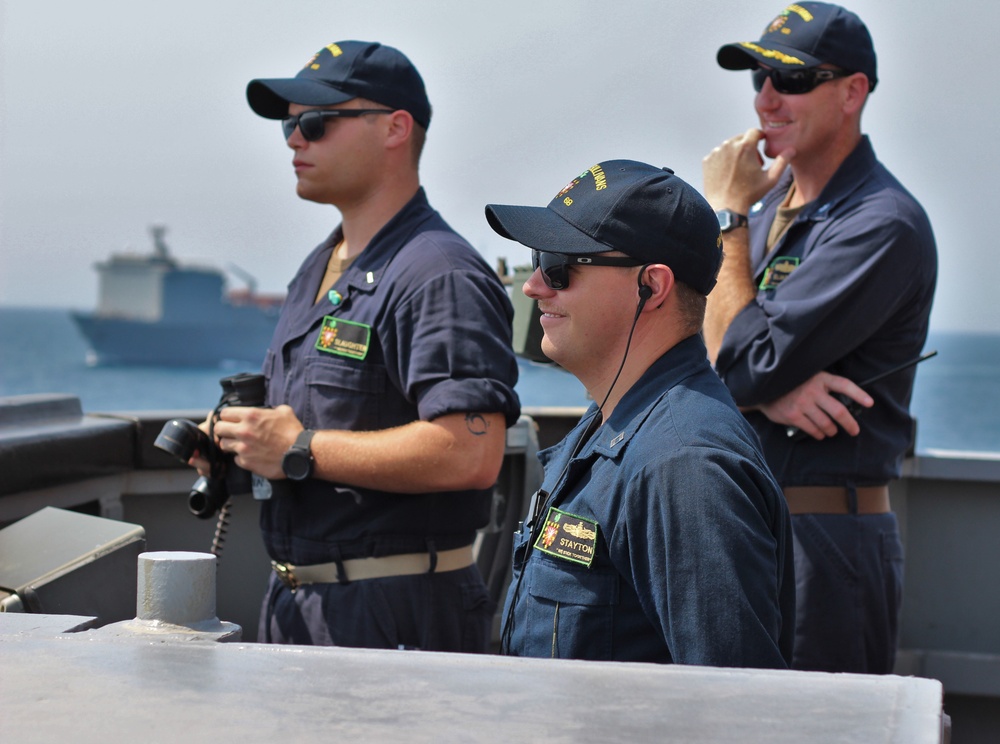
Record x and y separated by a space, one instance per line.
286 574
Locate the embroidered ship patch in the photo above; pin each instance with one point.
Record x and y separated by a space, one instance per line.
778 270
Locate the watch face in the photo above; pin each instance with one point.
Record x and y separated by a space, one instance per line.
298 461
297 464
729 220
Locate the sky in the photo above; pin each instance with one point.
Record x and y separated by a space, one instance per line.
116 115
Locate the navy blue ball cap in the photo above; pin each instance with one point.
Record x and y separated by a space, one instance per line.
807 35
643 211
340 72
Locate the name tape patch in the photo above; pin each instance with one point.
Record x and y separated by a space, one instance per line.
344 337
778 270
568 537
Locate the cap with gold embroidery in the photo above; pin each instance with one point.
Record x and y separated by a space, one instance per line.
643 211
340 72
807 35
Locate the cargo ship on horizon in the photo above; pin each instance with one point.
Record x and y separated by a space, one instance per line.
152 310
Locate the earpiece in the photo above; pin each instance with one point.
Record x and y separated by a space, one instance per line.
645 291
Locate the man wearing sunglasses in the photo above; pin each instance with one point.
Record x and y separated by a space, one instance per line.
390 379
659 534
828 280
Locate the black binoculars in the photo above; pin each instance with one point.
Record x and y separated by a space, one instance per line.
182 438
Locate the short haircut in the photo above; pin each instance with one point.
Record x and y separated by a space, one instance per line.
691 307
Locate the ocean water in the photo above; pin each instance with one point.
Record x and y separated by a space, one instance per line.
41 351
956 400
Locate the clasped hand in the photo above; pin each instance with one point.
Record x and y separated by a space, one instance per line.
815 408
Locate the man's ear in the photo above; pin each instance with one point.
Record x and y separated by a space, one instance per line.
857 93
660 281
399 128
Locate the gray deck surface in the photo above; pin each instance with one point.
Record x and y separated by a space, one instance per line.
95 686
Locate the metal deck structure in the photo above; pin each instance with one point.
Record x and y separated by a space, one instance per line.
54 455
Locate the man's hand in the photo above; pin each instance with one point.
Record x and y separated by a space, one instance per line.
199 460
734 178
258 437
733 173
814 408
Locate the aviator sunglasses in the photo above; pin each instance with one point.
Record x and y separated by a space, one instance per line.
555 266
795 82
312 123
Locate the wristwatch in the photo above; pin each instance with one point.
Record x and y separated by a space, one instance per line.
730 220
297 462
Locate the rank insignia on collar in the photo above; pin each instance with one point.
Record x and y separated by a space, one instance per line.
778 270
568 537
344 338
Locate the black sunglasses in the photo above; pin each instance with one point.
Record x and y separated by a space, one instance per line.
312 123
555 266
795 82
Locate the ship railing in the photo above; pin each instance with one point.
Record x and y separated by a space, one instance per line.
52 454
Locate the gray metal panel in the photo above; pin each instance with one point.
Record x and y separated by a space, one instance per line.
62 562
951 592
84 689
952 465
52 542
46 441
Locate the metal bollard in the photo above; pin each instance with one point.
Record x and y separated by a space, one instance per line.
175 597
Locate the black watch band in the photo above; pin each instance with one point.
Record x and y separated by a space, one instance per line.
729 220
297 462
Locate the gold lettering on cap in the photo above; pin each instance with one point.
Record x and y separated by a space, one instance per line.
600 180
800 11
334 50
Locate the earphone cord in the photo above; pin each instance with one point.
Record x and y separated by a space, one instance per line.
508 626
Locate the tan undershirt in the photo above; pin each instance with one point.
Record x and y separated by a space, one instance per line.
782 219
335 268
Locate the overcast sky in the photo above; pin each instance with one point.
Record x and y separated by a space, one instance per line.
116 114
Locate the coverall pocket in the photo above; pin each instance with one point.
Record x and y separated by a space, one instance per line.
571 610
341 391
